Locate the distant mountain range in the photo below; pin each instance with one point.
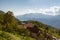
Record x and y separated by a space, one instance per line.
46 19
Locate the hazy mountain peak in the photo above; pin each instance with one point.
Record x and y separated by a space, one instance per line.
47 19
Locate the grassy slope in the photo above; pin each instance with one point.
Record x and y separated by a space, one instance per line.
10 36
53 34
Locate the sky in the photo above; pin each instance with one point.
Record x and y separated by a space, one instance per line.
21 7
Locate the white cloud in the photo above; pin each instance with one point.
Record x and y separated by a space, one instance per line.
48 11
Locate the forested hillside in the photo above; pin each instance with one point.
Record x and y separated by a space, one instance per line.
13 29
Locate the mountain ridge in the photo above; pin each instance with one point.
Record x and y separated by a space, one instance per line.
46 19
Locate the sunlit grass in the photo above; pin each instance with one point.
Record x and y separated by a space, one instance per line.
11 36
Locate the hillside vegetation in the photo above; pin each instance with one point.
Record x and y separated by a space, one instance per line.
13 29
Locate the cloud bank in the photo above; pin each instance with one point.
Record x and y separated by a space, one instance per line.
55 10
